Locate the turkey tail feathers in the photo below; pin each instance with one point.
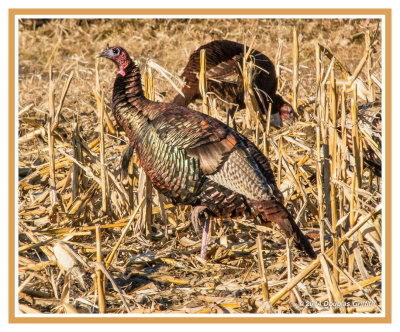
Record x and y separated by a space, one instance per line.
275 212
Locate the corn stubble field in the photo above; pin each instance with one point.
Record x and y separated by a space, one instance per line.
86 246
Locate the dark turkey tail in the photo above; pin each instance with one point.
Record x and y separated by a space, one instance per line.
275 212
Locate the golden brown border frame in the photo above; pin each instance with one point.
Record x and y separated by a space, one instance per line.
216 319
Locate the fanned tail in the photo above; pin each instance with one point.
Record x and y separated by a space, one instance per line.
273 211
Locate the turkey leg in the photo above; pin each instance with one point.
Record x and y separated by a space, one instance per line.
204 237
231 115
199 218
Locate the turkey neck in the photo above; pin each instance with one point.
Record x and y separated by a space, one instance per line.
128 101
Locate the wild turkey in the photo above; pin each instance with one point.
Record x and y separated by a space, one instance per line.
370 123
195 159
370 126
224 61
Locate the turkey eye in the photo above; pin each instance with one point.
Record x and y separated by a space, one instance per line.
115 51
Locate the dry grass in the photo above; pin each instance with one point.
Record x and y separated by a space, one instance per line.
70 181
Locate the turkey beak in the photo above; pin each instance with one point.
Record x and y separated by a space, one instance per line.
275 120
103 54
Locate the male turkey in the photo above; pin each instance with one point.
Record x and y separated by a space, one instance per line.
195 159
224 61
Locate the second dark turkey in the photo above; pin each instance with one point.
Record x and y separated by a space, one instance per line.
224 62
